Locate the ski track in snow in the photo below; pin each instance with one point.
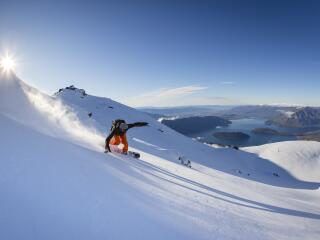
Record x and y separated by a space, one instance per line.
56 182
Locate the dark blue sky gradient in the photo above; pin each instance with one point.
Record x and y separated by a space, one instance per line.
268 51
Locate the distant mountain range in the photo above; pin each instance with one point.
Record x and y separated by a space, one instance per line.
304 117
186 111
256 111
231 112
284 116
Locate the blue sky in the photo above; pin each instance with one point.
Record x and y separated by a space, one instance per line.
168 53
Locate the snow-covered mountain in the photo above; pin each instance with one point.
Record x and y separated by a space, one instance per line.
56 182
300 118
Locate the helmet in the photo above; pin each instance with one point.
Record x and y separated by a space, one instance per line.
123 127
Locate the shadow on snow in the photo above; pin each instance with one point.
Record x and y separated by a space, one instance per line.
214 193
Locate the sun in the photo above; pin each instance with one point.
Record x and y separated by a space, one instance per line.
7 63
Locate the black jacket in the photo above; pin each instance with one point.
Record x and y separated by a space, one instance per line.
118 132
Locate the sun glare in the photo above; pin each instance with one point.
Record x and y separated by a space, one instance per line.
7 63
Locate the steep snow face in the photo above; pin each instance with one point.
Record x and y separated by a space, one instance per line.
56 182
300 158
30 107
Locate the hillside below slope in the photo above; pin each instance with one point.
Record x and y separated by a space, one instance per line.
300 158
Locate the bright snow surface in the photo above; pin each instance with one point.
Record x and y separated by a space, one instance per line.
56 182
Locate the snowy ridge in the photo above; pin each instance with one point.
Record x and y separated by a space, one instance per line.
300 158
58 183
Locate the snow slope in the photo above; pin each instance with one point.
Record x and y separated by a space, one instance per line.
300 158
56 183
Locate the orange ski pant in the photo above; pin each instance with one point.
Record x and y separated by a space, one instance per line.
117 139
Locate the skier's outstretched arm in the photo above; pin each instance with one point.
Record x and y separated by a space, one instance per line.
137 124
111 134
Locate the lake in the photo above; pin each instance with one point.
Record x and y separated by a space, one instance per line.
245 126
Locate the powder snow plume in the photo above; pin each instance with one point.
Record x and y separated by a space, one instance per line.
65 120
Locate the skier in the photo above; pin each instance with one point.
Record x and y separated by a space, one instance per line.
117 135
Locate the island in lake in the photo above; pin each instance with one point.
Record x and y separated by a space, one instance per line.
270 131
234 136
310 136
191 125
313 136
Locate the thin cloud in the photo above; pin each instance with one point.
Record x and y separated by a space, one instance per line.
227 83
180 91
163 95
